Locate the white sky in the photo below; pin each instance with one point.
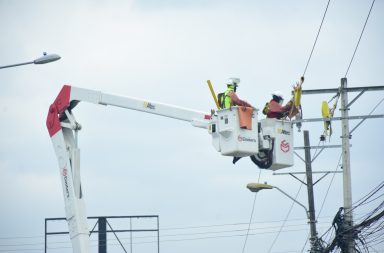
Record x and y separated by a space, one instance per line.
137 164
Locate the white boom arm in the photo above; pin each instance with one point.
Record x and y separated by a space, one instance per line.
235 132
63 128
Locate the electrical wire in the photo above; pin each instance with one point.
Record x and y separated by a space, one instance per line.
360 202
370 229
175 228
250 219
180 234
317 148
358 42
174 235
228 224
329 186
325 197
225 231
175 240
317 36
368 202
370 194
286 218
364 199
374 108
21 237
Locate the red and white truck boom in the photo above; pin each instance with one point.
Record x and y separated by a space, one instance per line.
271 140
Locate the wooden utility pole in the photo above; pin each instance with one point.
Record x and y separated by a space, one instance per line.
311 202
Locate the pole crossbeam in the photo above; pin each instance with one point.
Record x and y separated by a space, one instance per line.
335 90
313 172
317 147
339 118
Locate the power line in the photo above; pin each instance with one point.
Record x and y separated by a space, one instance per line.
317 36
325 197
330 184
21 237
369 230
366 118
369 195
286 218
175 235
230 231
233 224
250 219
174 240
358 42
171 228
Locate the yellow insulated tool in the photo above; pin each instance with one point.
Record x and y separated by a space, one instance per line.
326 115
297 94
296 108
213 93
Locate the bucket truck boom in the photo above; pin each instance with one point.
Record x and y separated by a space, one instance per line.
271 139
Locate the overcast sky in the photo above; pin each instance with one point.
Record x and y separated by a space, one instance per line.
138 164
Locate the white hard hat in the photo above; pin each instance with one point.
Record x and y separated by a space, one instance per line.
278 93
233 81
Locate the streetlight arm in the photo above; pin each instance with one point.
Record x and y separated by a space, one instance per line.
15 65
46 58
306 210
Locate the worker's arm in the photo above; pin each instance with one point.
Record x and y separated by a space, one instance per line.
288 106
278 111
237 101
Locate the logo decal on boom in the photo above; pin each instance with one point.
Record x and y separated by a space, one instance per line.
282 131
284 146
241 138
149 106
65 173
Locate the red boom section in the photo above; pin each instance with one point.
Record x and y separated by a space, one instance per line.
60 104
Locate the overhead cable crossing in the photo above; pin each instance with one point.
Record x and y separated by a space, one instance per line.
317 36
358 42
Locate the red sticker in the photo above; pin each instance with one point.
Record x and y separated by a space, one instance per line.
284 146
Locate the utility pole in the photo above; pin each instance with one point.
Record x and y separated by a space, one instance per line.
315 246
102 235
347 184
315 243
348 235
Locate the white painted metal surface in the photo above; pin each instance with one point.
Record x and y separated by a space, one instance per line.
63 143
227 138
197 118
282 132
231 140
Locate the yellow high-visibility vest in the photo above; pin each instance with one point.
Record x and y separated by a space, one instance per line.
227 99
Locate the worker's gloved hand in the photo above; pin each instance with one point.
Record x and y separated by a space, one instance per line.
284 114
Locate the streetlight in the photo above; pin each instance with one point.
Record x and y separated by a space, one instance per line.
255 187
315 242
46 58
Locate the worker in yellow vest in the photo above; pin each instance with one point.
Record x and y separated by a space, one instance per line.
229 97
